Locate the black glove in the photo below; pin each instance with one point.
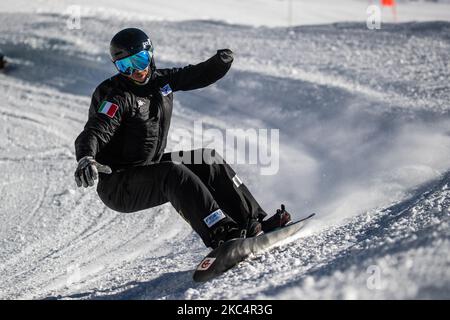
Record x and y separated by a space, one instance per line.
226 55
87 171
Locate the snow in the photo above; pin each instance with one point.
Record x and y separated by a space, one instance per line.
364 142
270 13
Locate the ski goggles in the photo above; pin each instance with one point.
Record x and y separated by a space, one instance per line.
138 61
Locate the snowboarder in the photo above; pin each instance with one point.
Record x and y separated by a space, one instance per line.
122 145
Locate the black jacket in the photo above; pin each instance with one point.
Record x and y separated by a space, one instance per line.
128 123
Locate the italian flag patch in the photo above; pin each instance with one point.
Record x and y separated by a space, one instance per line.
108 108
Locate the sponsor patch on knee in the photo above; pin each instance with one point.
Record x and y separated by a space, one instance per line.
205 264
237 181
214 217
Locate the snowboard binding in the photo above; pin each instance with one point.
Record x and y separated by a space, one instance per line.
280 219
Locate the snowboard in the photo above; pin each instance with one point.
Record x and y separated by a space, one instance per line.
230 253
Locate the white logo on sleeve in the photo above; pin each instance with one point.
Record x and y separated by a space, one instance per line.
214 217
237 181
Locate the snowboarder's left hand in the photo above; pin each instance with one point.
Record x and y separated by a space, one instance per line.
87 171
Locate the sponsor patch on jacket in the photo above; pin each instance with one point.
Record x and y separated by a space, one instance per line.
214 217
166 90
108 108
205 264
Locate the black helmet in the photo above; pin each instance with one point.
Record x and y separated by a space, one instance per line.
128 42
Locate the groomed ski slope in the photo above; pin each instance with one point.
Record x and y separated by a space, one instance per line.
364 142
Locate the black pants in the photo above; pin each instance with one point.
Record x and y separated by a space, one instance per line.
195 190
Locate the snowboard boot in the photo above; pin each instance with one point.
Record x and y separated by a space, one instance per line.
224 232
278 220
254 229
228 231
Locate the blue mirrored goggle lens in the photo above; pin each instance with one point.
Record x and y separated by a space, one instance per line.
138 61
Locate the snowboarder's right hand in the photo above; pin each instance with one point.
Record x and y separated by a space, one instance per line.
226 55
87 171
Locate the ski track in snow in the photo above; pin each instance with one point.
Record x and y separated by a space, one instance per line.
364 142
